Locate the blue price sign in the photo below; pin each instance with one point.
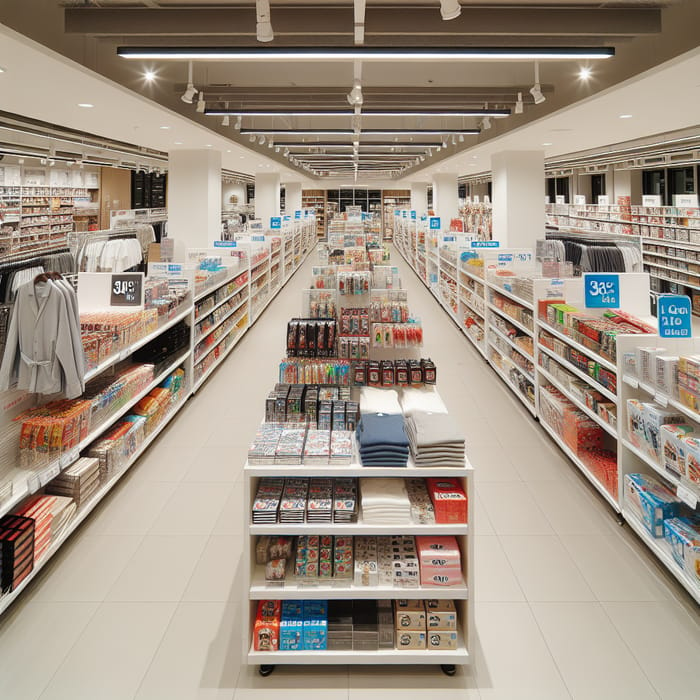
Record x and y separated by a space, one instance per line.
404 214
297 214
275 222
224 244
413 214
602 291
675 316
485 244
448 239
257 239
435 223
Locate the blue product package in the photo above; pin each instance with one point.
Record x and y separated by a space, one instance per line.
651 502
683 536
315 634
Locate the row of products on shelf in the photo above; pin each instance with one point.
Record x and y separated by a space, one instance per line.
513 310
355 625
222 338
663 515
309 337
292 443
353 283
342 372
26 534
205 305
326 408
597 334
401 561
667 438
582 435
204 325
381 500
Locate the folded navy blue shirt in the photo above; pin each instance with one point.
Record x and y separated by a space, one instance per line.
381 430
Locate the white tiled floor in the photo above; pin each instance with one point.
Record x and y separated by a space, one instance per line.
144 601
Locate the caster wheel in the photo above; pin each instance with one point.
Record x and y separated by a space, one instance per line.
266 670
449 669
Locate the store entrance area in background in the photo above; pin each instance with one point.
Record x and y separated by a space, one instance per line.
558 582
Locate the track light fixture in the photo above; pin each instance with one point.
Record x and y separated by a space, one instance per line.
239 122
251 138
191 90
519 107
450 9
536 89
270 143
261 140
461 138
485 123
201 103
354 97
454 140
263 27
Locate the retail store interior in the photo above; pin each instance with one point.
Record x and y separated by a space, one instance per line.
347 349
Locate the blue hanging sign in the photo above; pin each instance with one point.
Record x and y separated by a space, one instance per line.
602 291
225 244
275 222
485 244
413 214
448 239
675 316
297 214
435 223
257 239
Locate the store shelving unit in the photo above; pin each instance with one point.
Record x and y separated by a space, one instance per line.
256 588
316 200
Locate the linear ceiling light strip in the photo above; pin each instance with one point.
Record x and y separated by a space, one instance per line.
363 53
480 112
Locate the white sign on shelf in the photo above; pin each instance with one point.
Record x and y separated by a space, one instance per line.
685 200
688 497
651 200
579 199
603 200
96 290
560 199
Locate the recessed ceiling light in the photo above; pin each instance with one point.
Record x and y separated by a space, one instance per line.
228 150
547 143
86 105
585 73
2 70
178 143
149 76
164 127
625 116
208 145
241 157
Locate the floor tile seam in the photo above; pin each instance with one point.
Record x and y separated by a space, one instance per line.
70 648
510 566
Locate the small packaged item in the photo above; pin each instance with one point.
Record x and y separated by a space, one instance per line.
441 614
441 639
266 634
409 615
650 501
673 447
410 639
684 539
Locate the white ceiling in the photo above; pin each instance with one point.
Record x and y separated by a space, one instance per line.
664 99
42 84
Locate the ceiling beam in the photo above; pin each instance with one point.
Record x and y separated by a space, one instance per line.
299 22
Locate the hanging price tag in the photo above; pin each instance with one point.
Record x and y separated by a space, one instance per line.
675 316
485 244
413 214
602 291
634 383
435 223
275 222
51 473
127 289
661 399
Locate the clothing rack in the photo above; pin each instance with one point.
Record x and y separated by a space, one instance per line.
46 259
87 238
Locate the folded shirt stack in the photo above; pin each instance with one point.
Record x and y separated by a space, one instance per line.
384 501
436 440
373 400
425 400
382 440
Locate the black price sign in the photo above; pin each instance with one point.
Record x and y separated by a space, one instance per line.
127 289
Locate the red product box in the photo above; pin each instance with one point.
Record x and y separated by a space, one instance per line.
449 500
266 635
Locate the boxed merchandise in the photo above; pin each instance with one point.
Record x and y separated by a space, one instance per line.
441 614
635 422
441 639
684 539
410 639
315 627
646 364
692 459
266 633
673 447
654 417
409 615
291 626
650 501
440 560
449 500
667 374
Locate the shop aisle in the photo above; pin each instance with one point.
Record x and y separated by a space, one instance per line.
144 601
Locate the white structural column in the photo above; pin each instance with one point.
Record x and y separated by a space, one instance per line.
445 197
518 197
267 196
194 197
292 197
419 197
625 183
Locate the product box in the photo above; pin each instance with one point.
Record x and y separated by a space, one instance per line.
684 540
441 639
667 374
673 447
646 364
441 614
449 500
410 639
654 417
409 615
292 626
692 459
635 422
650 501
267 626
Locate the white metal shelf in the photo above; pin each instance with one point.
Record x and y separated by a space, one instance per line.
511 362
239 270
85 510
510 295
478 279
508 317
647 459
209 331
578 346
577 402
670 267
238 290
515 346
519 394
661 550
360 527
127 352
662 398
320 589
579 373
671 243
581 465
356 469
383 657
683 283
218 362
217 342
